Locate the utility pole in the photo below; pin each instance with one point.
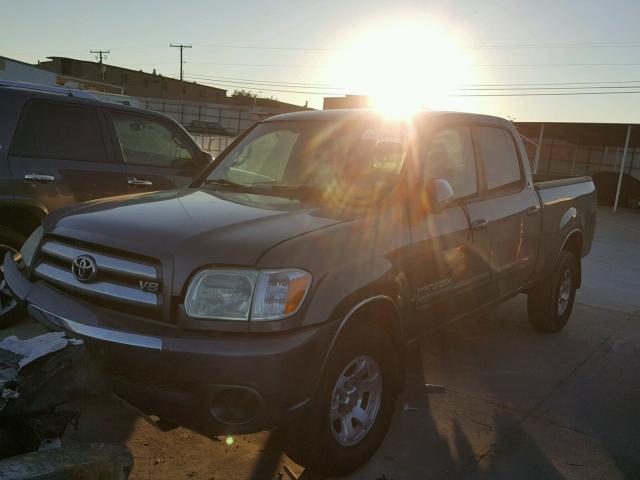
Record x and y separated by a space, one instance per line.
100 54
181 47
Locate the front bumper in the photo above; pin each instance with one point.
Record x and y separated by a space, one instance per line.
178 374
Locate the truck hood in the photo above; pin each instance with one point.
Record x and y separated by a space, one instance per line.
192 227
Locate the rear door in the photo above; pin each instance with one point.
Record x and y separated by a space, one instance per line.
514 209
156 154
59 155
449 270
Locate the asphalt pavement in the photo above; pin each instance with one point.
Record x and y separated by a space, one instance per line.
486 397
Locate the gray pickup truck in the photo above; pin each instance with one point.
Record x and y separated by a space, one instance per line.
283 287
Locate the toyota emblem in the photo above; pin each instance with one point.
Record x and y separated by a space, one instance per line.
84 268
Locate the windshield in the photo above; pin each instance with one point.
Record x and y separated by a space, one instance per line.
315 156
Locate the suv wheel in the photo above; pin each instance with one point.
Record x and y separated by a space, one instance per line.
550 303
10 311
352 409
10 241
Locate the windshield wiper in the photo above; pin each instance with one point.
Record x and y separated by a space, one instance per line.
288 191
267 188
223 182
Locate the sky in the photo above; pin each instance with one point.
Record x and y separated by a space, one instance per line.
466 55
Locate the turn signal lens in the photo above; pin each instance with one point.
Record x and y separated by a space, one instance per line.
279 293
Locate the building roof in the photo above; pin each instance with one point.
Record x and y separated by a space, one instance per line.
151 75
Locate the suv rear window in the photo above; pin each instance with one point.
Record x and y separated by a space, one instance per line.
59 131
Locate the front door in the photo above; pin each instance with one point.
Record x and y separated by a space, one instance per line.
450 272
59 156
156 155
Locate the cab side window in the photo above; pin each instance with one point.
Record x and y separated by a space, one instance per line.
59 131
497 152
450 156
145 141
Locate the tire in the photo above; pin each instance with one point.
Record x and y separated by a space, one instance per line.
10 311
10 241
318 440
549 304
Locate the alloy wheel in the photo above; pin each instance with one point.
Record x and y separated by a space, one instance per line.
355 400
564 293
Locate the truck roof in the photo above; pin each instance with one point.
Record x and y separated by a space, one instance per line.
363 113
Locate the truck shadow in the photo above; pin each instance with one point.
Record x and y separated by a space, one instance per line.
426 443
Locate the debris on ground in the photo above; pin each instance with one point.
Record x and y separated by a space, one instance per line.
435 388
38 375
80 462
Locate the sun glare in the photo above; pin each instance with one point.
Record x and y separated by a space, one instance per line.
403 66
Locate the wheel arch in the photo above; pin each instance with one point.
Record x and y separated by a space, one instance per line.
381 310
574 243
21 218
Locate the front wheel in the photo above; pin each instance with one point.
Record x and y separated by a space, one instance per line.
10 311
550 303
353 407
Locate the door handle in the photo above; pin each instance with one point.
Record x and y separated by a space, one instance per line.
37 178
479 224
138 182
533 209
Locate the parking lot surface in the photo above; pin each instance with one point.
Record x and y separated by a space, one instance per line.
485 397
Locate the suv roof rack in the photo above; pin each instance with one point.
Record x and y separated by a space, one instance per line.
71 92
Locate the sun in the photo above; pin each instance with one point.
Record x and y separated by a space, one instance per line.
403 66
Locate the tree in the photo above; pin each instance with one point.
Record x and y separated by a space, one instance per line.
248 94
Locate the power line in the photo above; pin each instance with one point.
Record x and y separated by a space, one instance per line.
592 87
261 47
591 84
274 82
529 94
555 64
263 84
551 83
507 46
486 87
536 94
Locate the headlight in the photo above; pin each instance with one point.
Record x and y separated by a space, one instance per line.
28 249
246 294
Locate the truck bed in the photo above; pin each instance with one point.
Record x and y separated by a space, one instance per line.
567 204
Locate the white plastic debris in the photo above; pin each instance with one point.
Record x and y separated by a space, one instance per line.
36 347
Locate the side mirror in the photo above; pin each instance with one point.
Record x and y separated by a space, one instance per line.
207 158
440 193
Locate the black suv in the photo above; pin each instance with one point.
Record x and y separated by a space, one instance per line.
60 146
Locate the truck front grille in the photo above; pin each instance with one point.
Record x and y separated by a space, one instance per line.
117 280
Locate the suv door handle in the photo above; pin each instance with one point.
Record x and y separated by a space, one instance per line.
37 178
479 224
533 209
138 182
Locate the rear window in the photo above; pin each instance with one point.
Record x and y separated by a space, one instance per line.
498 154
59 131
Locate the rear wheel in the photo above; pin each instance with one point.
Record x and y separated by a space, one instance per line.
550 303
351 412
